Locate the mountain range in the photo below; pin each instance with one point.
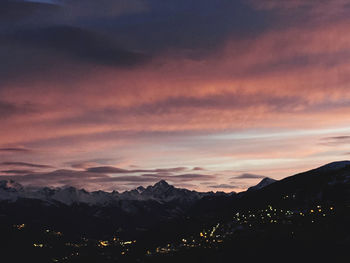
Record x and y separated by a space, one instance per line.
161 192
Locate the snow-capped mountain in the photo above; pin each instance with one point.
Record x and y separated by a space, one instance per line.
10 185
10 190
161 192
166 193
263 183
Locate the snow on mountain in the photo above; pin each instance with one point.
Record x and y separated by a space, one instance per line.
164 192
140 189
134 194
10 190
263 183
160 192
71 195
10 185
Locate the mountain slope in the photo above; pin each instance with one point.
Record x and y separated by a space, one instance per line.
263 183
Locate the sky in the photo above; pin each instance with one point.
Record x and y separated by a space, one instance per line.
208 95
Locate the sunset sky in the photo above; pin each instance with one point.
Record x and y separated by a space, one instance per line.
208 95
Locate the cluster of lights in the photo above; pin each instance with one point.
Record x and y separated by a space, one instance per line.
206 239
19 226
38 245
267 215
319 210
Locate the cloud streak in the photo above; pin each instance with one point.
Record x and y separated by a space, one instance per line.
33 165
115 170
15 150
248 176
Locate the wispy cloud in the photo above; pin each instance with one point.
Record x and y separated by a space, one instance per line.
26 164
335 140
16 171
15 150
248 176
116 170
85 164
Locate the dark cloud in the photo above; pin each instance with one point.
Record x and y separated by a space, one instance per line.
54 177
223 101
248 176
192 177
12 11
115 170
338 138
158 175
58 53
82 10
179 177
170 170
335 140
88 163
9 109
15 150
196 25
26 164
16 171
79 43
66 11
138 179
198 169
109 169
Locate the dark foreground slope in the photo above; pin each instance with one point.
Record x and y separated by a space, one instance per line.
302 218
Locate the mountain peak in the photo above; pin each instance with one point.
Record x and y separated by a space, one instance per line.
162 183
10 184
263 183
140 189
267 180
